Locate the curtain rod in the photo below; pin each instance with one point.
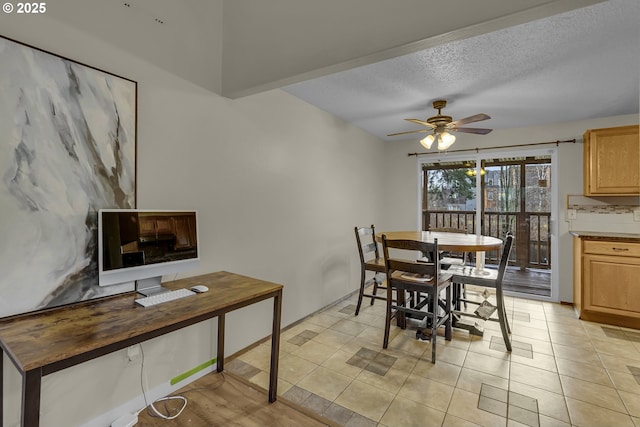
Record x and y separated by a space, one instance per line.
493 148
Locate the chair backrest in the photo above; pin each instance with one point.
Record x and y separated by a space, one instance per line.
504 259
457 254
410 265
366 248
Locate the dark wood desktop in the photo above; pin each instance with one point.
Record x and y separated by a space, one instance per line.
42 343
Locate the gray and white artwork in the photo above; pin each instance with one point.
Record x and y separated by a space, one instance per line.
67 149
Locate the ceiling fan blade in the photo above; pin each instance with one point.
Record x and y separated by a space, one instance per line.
421 122
478 131
470 119
411 131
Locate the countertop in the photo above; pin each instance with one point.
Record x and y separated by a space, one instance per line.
605 235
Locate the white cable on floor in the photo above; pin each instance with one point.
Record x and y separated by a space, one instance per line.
162 399
172 417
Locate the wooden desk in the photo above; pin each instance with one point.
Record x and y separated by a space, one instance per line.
42 343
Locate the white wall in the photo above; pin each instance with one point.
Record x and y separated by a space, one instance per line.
402 187
279 186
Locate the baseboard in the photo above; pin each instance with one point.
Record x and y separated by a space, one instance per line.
137 403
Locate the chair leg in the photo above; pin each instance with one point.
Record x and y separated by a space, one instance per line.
447 310
401 301
361 293
504 311
457 294
506 318
464 295
502 318
434 329
387 319
463 286
375 287
506 321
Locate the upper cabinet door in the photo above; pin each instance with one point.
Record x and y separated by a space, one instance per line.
612 161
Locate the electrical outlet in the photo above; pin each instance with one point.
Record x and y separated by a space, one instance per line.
133 352
571 214
636 215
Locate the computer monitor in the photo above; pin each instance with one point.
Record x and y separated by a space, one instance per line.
140 246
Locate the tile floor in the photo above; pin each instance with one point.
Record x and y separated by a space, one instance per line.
562 371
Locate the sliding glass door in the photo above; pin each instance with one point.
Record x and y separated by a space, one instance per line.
495 195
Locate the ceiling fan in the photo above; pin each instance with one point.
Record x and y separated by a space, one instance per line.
441 125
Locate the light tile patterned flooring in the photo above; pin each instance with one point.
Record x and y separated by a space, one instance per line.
562 371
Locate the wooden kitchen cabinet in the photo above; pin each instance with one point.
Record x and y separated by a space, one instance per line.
155 225
612 161
606 285
182 226
164 225
185 230
147 225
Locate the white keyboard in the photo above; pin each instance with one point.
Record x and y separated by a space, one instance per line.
164 297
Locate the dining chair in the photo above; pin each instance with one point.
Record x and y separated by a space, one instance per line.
451 258
409 278
489 278
370 260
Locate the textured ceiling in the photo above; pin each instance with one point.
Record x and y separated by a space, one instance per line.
578 65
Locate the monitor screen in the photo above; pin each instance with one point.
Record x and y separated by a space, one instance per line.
143 245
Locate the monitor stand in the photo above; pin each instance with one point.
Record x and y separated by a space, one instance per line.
150 286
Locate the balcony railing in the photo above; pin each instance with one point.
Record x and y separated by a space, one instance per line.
531 230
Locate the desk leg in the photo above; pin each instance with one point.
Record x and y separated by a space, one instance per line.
220 358
275 347
31 384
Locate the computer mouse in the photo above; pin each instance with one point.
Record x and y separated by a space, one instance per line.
199 288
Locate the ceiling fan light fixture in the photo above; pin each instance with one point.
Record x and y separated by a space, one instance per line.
428 141
446 140
440 124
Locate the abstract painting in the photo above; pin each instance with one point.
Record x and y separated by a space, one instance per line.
67 149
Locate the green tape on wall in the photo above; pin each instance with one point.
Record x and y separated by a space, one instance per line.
190 372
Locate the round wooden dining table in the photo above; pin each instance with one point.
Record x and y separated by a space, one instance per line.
446 240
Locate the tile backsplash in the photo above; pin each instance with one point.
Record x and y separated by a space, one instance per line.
603 205
614 214
599 209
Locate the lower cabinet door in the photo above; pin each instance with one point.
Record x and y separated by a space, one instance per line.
612 285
